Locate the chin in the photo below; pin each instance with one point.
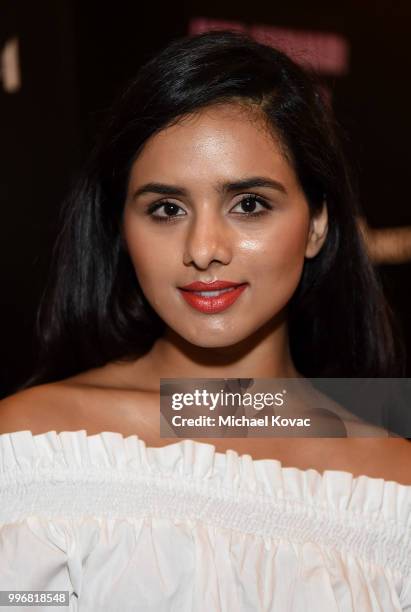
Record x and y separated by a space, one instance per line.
218 339
207 343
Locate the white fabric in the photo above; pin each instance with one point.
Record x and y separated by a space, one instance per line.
184 528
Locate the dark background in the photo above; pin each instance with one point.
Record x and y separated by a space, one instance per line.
74 57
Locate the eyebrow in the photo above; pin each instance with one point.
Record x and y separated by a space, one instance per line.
224 187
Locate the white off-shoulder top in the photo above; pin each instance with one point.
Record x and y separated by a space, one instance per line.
183 528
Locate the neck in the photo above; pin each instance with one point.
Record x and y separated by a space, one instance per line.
265 354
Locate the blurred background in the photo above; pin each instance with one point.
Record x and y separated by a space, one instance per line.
63 62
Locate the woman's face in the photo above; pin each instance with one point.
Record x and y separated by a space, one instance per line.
185 220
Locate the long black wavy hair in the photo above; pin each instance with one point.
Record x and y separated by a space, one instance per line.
93 310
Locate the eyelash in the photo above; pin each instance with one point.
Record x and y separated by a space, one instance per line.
167 219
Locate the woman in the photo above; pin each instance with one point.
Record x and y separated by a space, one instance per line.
220 163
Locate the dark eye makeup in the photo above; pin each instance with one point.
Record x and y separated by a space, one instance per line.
247 200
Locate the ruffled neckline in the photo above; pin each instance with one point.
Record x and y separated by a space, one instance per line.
76 451
78 477
101 449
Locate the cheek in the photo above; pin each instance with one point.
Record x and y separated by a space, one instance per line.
151 256
288 249
276 259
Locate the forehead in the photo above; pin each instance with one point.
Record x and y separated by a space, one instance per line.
218 141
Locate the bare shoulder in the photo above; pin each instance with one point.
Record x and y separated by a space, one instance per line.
96 400
39 408
401 459
388 458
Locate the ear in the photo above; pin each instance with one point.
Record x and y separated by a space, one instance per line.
318 232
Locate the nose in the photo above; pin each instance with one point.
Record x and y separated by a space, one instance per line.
208 240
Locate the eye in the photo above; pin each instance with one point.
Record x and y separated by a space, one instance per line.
170 208
250 202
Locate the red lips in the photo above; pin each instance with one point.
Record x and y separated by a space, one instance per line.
212 304
214 286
